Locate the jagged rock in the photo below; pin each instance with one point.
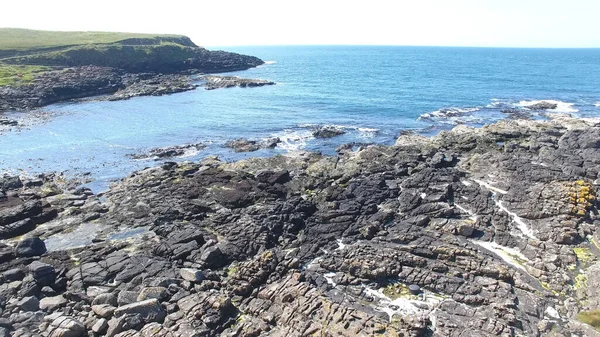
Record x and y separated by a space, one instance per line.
488 224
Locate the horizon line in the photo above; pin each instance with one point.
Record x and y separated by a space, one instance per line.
384 45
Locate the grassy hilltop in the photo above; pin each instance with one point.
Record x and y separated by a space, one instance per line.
23 52
15 39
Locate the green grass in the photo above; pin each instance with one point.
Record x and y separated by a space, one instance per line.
25 39
590 317
18 75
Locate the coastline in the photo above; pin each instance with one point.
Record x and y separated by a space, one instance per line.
486 220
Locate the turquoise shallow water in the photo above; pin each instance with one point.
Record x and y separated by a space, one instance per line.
373 92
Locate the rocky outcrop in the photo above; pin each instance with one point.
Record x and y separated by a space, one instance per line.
247 145
170 152
220 82
61 85
479 232
543 105
120 72
327 131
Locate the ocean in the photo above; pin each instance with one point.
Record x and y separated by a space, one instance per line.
373 93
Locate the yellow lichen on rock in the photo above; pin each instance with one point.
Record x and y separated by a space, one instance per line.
582 196
584 254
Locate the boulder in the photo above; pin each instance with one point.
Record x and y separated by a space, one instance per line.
100 326
192 275
159 293
103 310
243 145
106 298
15 274
65 326
29 304
43 273
52 303
127 297
30 247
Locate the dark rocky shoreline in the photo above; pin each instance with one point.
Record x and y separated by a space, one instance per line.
496 226
107 83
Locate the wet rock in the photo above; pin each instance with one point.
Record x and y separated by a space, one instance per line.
543 105
4 332
271 143
30 247
243 145
327 132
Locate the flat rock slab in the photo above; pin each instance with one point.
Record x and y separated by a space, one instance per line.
150 310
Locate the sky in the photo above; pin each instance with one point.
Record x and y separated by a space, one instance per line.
485 23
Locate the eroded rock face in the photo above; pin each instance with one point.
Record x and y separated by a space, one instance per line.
475 232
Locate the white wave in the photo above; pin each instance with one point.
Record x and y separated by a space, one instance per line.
364 132
597 104
448 113
561 107
293 141
191 152
270 62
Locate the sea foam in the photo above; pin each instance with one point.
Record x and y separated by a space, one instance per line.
561 107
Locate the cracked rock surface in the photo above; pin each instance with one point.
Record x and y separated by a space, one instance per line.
474 232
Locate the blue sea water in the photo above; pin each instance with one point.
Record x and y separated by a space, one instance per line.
374 93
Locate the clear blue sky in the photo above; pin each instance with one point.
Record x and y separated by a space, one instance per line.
499 23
